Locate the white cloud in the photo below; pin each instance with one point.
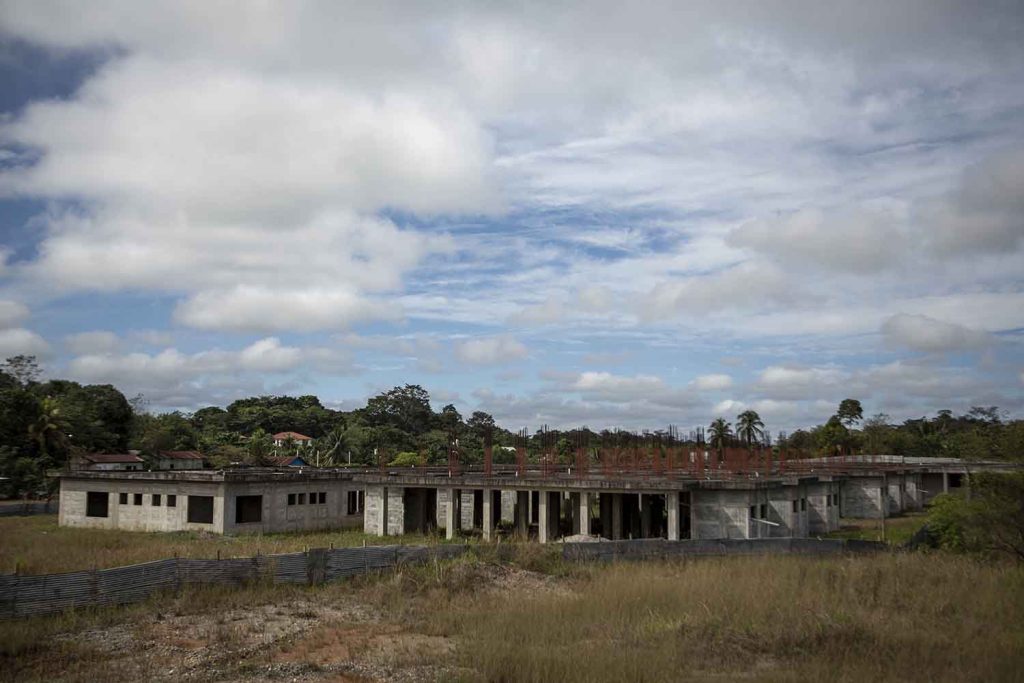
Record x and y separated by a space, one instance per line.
860 241
714 382
12 313
796 382
745 287
922 333
490 350
984 213
95 342
267 355
18 341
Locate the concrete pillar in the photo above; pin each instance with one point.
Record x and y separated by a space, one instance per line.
605 503
522 513
467 509
508 503
645 515
616 516
574 512
945 482
451 519
395 511
672 503
488 517
583 513
543 523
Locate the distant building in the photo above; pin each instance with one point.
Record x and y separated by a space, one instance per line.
300 440
124 462
289 461
179 460
247 500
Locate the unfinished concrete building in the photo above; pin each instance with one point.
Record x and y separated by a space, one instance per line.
796 499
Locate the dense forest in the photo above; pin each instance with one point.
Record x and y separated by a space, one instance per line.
43 424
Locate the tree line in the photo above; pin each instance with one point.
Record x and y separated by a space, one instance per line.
43 424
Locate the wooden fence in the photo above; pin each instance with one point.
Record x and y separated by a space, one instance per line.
22 596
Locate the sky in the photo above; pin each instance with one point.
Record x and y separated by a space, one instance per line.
603 213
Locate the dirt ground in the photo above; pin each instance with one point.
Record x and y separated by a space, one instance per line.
339 634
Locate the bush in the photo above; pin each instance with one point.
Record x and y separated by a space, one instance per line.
988 517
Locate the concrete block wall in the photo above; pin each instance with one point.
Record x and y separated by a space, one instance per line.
722 514
508 504
278 516
862 497
144 517
374 510
396 510
442 507
466 500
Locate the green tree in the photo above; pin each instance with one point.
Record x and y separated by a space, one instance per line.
833 437
749 427
23 369
850 412
719 434
404 408
260 449
989 520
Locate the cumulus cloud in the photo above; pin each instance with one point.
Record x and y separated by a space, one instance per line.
19 341
922 333
490 350
744 287
95 342
860 241
715 382
174 379
984 213
12 313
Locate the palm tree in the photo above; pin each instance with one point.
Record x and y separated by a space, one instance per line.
749 427
719 433
45 431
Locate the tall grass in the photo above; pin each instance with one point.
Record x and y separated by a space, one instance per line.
890 617
37 545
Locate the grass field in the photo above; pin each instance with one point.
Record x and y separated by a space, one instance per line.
893 617
36 545
898 530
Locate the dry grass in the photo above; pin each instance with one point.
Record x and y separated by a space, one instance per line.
36 545
517 613
889 617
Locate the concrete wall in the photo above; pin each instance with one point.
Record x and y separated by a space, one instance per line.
724 513
275 513
822 507
278 516
144 517
862 497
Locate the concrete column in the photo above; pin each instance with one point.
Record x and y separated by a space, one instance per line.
450 516
945 482
522 513
672 505
383 512
488 518
645 515
574 511
583 513
605 502
543 523
467 509
508 503
616 516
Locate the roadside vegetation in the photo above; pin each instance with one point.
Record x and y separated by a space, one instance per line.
529 616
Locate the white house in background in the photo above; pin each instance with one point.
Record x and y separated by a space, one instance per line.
300 440
179 460
125 462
